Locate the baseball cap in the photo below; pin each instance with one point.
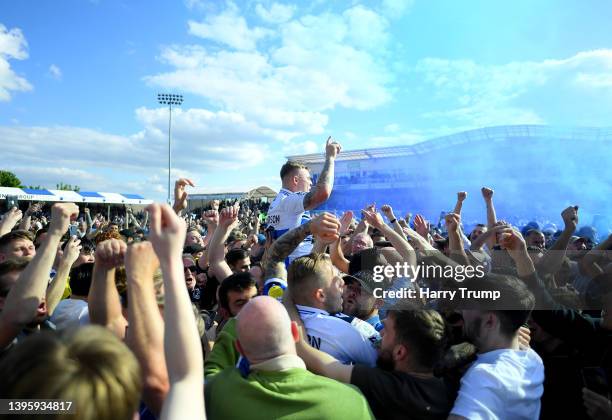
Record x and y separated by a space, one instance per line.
530 226
588 232
366 259
365 278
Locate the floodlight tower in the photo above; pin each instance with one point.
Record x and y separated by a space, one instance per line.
169 99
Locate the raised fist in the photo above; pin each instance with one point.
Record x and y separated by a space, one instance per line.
110 253
487 193
325 226
61 216
570 217
228 216
387 211
211 218
452 221
167 233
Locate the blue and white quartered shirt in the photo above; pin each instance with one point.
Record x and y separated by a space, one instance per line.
287 212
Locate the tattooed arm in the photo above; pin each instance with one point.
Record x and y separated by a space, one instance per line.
321 192
324 225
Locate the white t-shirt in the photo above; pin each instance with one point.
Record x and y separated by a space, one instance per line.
502 384
70 314
342 340
287 212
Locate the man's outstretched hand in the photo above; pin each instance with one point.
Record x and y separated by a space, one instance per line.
325 226
180 195
167 233
332 148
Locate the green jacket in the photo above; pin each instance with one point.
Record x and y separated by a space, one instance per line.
294 394
224 353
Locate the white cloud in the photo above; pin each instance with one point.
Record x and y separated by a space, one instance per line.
396 139
311 65
276 13
368 29
302 148
391 128
396 8
55 72
228 28
203 141
13 45
528 92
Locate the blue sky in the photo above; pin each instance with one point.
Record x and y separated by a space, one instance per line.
265 79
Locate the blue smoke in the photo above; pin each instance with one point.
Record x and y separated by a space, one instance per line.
536 172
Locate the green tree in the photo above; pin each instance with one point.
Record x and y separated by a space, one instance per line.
67 187
9 179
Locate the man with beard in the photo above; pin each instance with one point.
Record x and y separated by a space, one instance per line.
24 306
358 298
504 381
317 290
403 385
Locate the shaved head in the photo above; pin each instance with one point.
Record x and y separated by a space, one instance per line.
265 330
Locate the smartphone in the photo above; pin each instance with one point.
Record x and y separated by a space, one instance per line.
594 379
73 230
10 202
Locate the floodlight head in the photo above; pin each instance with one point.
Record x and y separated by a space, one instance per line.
169 99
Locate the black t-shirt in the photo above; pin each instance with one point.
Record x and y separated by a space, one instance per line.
208 298
399 395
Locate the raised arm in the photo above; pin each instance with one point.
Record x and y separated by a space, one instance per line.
512 241
316 361
182 345
26 295
180 195
553 258
324 225
228 218
487 195
335 248
455 240
461 196
9 220
393 221
400 244
211 219
88 220
104 302
589 262
133 219
322 190
146 333
58 284
26 222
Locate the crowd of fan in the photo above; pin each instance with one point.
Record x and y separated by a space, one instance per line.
96 311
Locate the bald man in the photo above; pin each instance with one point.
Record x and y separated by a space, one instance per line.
278 384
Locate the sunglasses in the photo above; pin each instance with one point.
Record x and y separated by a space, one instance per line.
192 268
